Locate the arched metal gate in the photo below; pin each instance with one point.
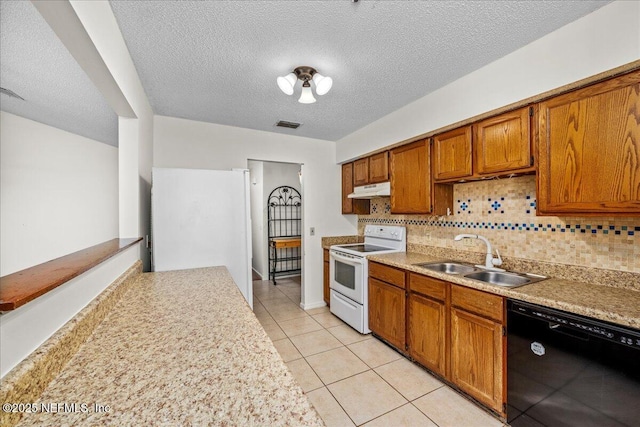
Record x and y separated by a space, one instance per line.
284 221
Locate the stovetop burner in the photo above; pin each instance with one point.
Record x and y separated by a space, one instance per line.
364 248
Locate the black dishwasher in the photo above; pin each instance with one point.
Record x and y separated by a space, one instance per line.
568 370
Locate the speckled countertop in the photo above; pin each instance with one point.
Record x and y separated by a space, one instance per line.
612 304
181 348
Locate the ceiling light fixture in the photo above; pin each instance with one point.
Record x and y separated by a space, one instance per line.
306 74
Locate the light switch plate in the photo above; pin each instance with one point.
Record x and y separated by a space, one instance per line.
312 231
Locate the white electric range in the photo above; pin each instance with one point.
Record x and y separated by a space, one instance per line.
348 270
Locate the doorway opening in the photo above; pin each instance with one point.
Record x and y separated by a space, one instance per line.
265 177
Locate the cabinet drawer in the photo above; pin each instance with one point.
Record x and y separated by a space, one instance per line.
427 286
482 303
387 274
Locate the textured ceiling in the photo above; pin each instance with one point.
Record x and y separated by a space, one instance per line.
35 64
217 61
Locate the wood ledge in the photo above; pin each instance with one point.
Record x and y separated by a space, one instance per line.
19 288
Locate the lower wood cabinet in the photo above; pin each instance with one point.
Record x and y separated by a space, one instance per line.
477 358
458 333
455 331
478 345
387 312
427 332
325 277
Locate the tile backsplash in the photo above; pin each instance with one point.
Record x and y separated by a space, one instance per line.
504 211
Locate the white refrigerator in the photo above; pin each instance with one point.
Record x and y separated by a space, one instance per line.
201 218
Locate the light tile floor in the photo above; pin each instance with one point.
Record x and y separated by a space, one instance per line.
353 379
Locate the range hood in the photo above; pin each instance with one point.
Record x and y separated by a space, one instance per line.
371 191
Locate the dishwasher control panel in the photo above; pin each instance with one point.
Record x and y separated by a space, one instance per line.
556 318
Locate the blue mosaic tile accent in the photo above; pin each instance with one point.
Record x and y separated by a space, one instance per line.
464 205
531 204
592 229
496 205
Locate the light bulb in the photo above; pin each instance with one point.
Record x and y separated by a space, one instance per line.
323 83
287 82
306 97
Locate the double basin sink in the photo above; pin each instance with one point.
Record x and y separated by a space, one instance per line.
507 279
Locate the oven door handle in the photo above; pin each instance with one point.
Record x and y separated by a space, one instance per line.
352 261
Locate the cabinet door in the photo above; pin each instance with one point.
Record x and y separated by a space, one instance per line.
411 178
503 143
347 188
351 206
361 172
325 277
427 332
452 154
379 168
589 145
477 358
387 312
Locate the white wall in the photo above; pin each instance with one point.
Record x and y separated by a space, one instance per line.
600 41
256 190
58 193
135 134
191 144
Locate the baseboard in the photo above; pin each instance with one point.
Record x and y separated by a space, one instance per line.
258 273
313 305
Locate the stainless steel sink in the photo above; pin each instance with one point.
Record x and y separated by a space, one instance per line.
505 279
448 267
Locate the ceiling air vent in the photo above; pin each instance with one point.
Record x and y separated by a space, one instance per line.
286 124
10 93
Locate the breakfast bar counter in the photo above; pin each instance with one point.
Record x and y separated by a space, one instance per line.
180 348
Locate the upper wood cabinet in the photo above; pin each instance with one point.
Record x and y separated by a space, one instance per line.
452 154
503 143
589 150
411 178
371 170
495 146
351 206
379 168
361 172
347 188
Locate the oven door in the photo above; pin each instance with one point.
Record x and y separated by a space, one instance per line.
348 275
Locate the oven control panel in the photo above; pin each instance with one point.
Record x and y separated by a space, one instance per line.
387 232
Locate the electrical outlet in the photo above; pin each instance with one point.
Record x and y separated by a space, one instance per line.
312 231
467 242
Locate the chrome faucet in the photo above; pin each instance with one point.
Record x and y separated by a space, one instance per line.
491 263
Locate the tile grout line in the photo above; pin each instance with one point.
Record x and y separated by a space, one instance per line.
326 386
